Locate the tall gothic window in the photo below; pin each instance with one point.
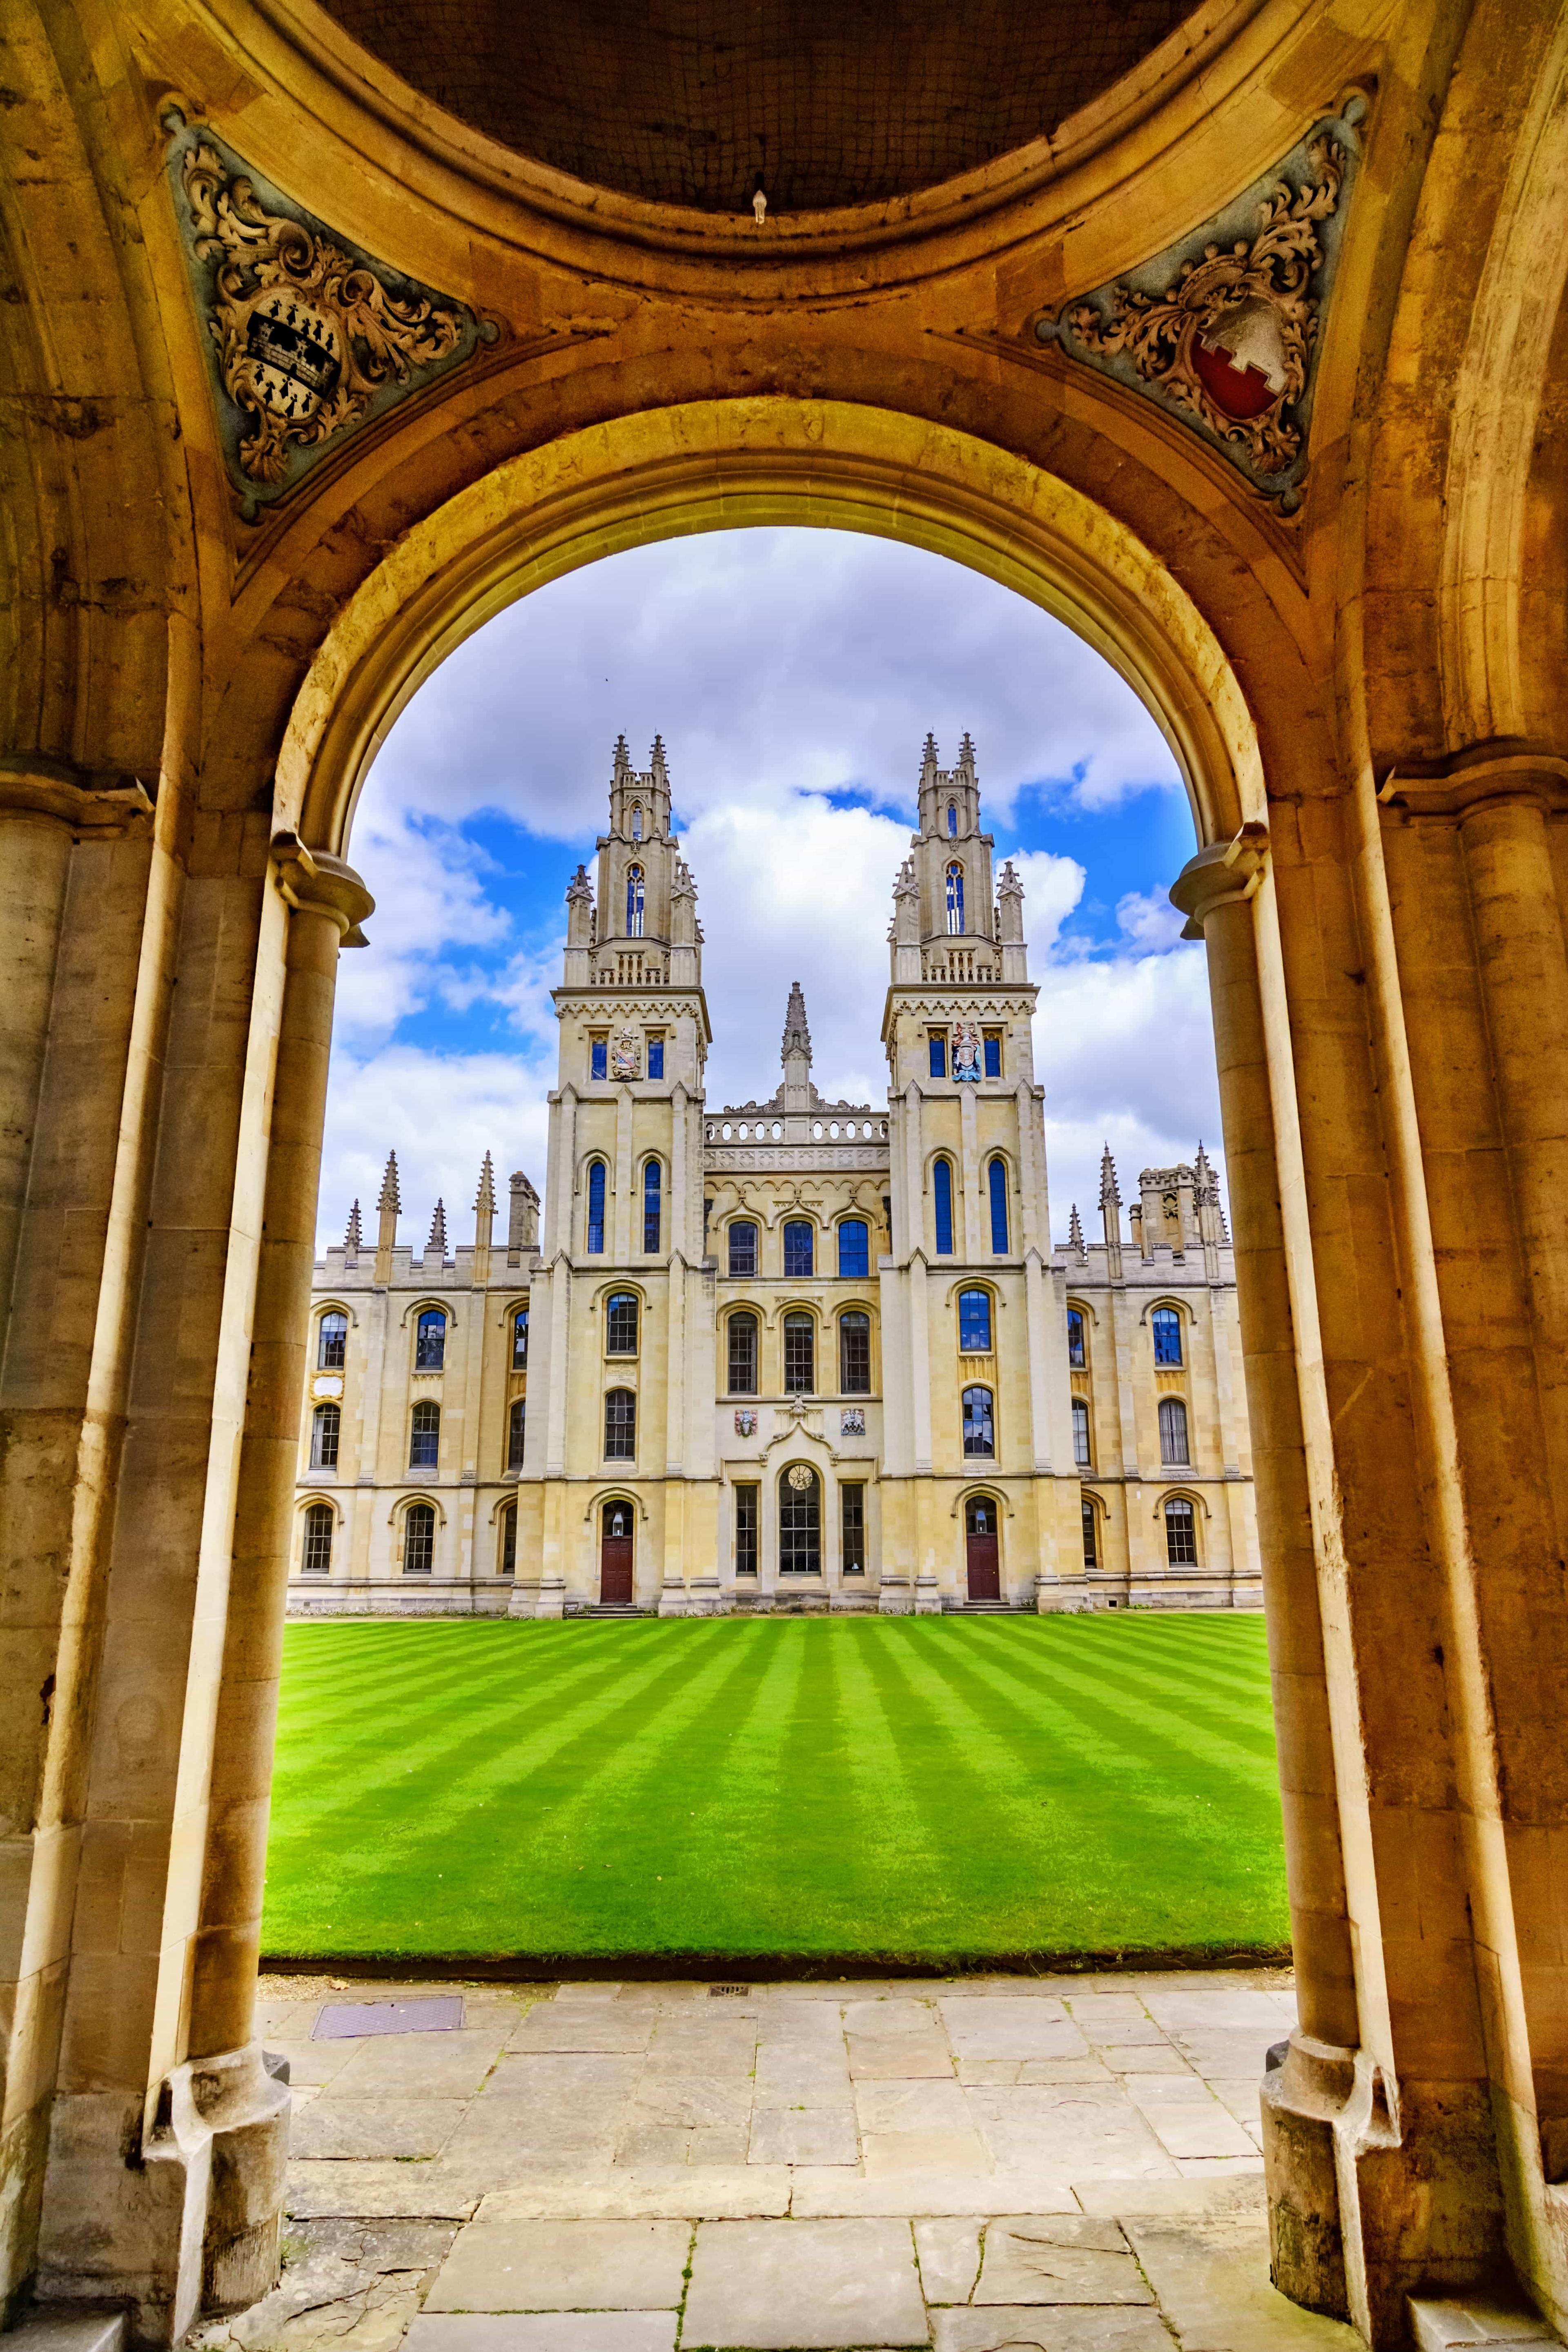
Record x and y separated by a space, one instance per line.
620 1426
955 897
941 1196
800 1355
318 1555
952 821
596 1208
425 1437
1075 1337
326 1424
634 902
742 1355
797 1247
651 1188
975 1322
854 1249
1174 1431
508 1540
855 1353
637 821
746 1529
1080 1433
1090 1537
800 1521
979 1428
1181 1533
743 1248
519 1340
418 1540
852 1527
430 1341
997 1176
993 1042
332 1346
1167 1326
517 1420
621 1323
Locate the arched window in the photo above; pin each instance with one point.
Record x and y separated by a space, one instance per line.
996 1175
799 1355
519 1340
1090 1537
952 821
800 1521
425 1437
975 1322
430 1341
1076 1354
743 1248
1167 1326
979 1431
636 820
955 897
942 1201
332 1347
596 1208
1181 1533
517 1422
854 1249
634 902
855 1353
799 1257
507 1565
621 1323
1173 1430
1080 1452
620 1426
317 1560
326 1427
418 1540
743 1339
652 1193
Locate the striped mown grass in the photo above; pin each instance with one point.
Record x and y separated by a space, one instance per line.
921 1790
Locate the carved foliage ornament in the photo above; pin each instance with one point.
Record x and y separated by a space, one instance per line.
307 338
1224 328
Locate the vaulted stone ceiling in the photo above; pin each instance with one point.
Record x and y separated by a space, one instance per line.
821 102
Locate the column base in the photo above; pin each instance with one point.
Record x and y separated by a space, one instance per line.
1302 2101
895 1599
928 1597
188 2226
672 1597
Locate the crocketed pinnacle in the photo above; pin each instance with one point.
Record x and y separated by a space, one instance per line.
1110 1192
1075 1232
796 1034
391 1197
438 1240
487 1192
353 1237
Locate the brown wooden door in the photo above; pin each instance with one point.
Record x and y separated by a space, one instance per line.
615 1557
979 1543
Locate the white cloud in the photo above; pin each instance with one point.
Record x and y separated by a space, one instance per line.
440 1113
429 888
1148 919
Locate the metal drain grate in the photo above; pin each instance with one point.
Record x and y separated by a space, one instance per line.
728 1992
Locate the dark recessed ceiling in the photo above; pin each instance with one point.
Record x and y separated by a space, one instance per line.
825 102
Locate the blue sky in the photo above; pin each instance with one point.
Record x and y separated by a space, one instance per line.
793 676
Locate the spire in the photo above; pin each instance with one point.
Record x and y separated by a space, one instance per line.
1110 1214
1074 1234
657 762
390 1203
391 1197
353 1237
1110 1192
438 1241
966 753
623 762
797 1035
487 1192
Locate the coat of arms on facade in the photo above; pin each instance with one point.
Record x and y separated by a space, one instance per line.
746 1420
1223 329
306 337
852 1421
965 1050
626 1055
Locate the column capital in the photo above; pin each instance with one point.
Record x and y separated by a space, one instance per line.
319 884
1223 875
1506 769
84 801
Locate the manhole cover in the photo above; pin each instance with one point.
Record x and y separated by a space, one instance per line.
343 2021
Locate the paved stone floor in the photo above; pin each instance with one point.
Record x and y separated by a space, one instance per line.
985 2165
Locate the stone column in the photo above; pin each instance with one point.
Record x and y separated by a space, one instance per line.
328 903
1216 891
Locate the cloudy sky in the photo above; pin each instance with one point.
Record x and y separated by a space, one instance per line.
794 675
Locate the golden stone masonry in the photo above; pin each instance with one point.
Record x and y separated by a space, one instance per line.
438 313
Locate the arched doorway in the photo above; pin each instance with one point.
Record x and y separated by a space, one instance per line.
616 1559
982 1556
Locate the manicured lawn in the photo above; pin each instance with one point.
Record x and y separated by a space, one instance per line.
923 1788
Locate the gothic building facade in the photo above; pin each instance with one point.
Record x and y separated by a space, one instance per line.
792 1353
